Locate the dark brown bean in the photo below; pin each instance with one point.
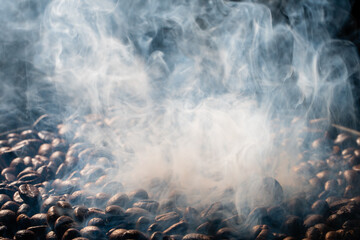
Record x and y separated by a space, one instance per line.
23 222
293 226
92 233
71 233
29 193
51 236
149 205
332 235
24 235
177 228
119 199
98 222
320 207
196 236
10 205
4 198
62 224
313 219
39 219
156 236
167 219
40 231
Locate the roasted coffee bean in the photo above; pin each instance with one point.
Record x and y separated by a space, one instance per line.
177 228
149 205
3 199
25 209
137 195
119 199
143 223
227 233
57 158
29 193
97 222
313 233
167 219
112 186
92 233
71 233
332 235
293 226
155 227
196 236
50 201
352 177
101 199
132 234
39 219
320 207
157 236
23 222
95 212
81 213
24 235
53 214
40 231
116 234
51 236
276 215
132 214
10 205
297 206
45 150
62 224
312 220
8 218
257 216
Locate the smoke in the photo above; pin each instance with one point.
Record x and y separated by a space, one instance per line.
193 94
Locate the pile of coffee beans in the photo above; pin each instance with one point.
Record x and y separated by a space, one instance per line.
49 190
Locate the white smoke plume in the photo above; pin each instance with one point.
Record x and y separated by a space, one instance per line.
192 92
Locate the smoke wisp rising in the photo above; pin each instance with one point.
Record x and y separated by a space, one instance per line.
192 93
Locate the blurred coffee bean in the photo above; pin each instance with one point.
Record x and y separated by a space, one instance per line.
196 236
23 221
332 235
10 205
117 234
352 177
132 214
51 236
62 224
29 193
71 233
39 219
158 236
149 205
293 226
24 235
312 220
81 212
167 219
119 199
92 233
97 222
320 207
177 228
313 233
40 231
45 150
227 233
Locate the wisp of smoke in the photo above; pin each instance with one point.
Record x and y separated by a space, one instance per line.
194 93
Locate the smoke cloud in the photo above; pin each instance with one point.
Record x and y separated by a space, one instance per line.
193 95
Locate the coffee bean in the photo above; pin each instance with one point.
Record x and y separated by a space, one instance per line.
320 207
119 199
45 149
51 236
293 226
167 219
39 219
97 222
92 233
157 236
23 222
24 235
62 224
40 231
30 194
81 213
71 233
312 220
149 205
196 236
3 199
11 205
177 228
332 235
313 233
